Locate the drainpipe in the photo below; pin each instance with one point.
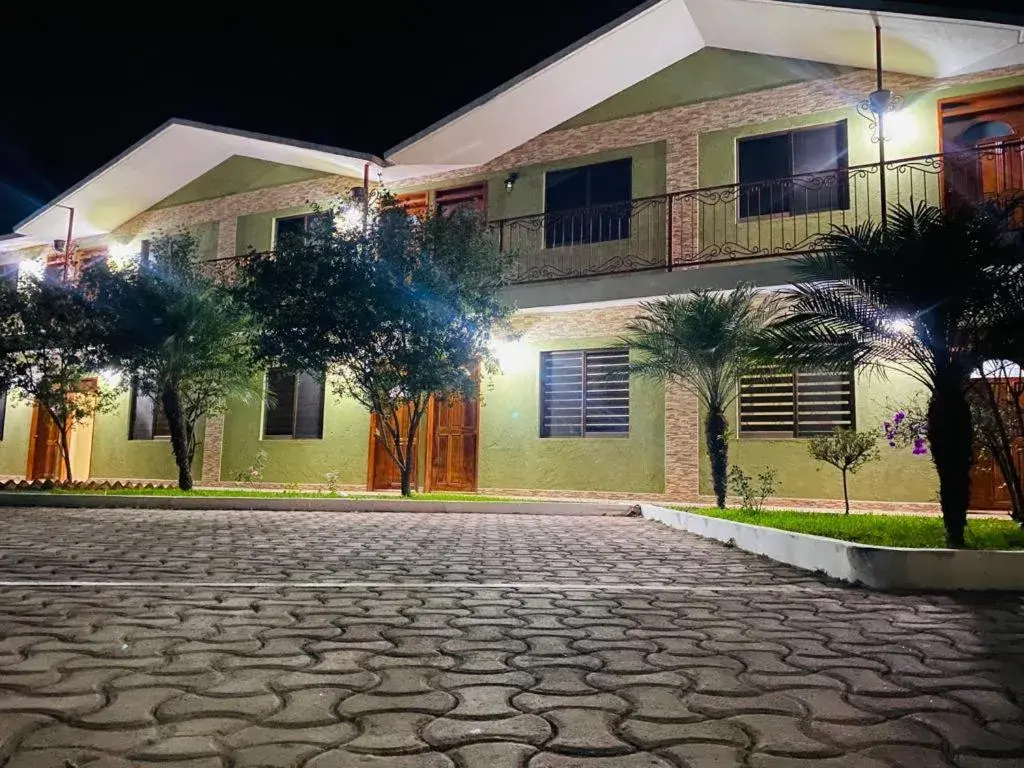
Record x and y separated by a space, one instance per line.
67 240
366 196
881 121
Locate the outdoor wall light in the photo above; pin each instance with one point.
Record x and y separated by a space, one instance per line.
512 355
29 269
510 181
121 256
883 108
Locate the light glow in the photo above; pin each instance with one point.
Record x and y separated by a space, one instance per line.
121 256
349 218
902 326
512 355
900 127
111 378
31 269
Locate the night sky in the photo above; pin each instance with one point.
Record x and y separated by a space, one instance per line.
78 87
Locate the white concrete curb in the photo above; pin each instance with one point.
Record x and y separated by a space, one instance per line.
878 567
212 503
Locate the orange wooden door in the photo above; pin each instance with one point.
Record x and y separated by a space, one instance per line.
384 474
454 438
44 458
988 487
984 137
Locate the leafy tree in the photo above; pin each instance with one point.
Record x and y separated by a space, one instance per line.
50 351
702 341
181 338
847 450
908 296
396 313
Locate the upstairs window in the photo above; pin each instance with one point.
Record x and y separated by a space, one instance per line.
779 405
588 204
473 199
767 165
294 406
585 393
147 420
288 228
9 273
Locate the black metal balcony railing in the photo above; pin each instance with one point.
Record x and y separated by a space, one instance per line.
782 217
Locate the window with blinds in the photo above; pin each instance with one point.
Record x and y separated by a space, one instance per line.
294 406
805 404
147 419
585 393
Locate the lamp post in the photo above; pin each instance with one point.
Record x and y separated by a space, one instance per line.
874 108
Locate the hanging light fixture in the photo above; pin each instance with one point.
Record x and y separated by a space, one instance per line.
881 103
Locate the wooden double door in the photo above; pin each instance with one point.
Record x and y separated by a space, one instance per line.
988 486
452 441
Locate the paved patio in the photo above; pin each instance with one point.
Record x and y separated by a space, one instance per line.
431 641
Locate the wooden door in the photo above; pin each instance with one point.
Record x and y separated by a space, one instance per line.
44 458
383 473
983 138
988 487
453 442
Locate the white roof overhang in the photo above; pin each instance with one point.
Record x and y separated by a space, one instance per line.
163 162
662 32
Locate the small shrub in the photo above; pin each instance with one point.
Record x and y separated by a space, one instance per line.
292 488
331 482
753 490
847 450
253 474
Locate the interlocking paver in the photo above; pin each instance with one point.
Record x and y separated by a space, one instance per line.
711 659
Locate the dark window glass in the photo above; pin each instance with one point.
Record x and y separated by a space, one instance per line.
589 204
292 227
147 419
54 273
800 171
585 393
9 273
294 405
809 403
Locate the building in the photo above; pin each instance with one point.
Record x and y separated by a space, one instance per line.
679 147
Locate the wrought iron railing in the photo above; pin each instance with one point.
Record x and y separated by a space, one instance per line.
782 217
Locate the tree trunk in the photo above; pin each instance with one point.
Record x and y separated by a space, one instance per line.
179 438
950 437
65 448
715 426
846 495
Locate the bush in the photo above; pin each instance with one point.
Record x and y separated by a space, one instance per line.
253 474
847 450
753 490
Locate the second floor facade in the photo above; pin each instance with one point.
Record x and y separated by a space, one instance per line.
712 170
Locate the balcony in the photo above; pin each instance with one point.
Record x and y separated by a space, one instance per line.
778 218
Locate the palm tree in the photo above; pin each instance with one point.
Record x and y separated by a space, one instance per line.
908 296
702 341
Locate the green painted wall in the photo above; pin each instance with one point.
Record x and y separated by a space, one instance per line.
256 231
115 456
343 448
513 455
238 174
14 446
898 476
711 73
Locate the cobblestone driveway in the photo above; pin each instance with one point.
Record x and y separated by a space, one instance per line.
474 640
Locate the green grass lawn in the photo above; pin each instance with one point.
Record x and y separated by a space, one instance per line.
884 530
259 494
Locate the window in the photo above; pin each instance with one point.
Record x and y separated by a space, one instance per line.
294 406
589 204
774 404
291 227
3 412
473 199
584 393
9 273
147 419
768 163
